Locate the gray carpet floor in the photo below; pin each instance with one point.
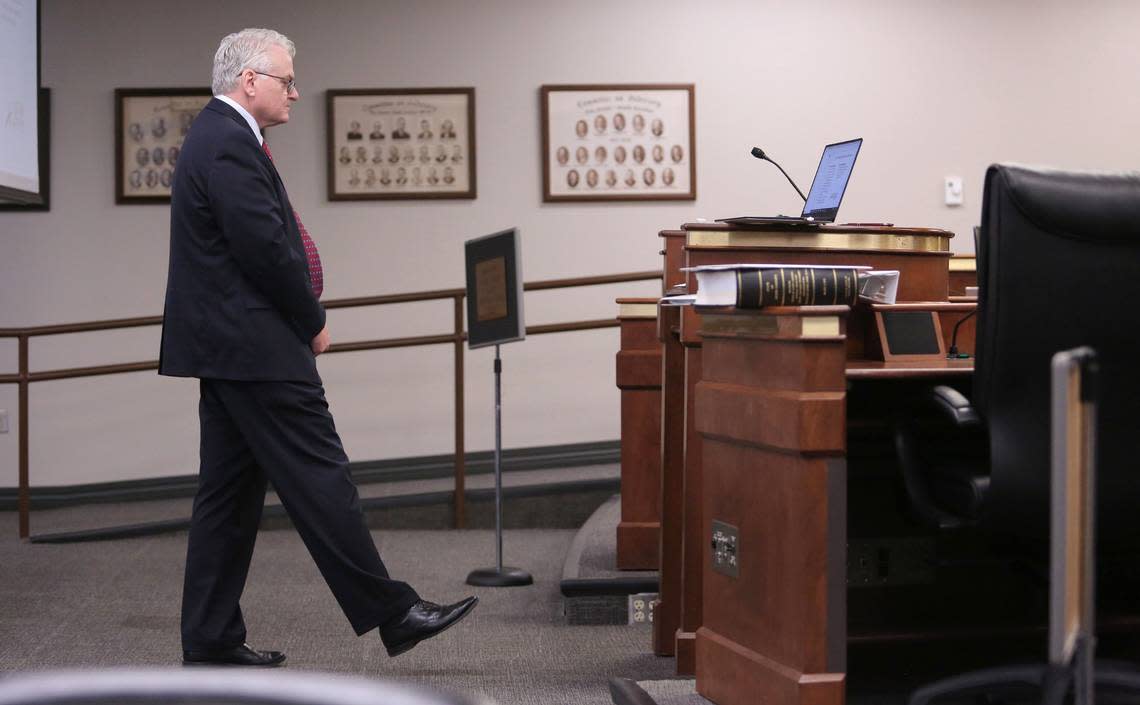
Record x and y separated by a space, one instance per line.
115 603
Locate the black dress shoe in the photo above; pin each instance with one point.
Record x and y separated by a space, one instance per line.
423 620
237 656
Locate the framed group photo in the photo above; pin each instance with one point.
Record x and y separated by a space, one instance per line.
620 142
150 126
401 143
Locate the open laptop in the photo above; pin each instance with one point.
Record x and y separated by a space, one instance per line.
827 188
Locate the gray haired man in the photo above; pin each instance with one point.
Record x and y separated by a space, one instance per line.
243 316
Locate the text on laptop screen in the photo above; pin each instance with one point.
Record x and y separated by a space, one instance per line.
831 180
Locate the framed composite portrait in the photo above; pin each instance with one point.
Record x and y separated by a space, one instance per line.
150 125
619 142
401 143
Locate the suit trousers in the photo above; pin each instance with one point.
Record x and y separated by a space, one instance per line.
283 433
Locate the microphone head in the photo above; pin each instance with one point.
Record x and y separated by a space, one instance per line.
759 153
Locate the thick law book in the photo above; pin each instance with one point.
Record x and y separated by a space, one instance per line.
760 285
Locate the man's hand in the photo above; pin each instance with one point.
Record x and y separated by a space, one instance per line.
321 342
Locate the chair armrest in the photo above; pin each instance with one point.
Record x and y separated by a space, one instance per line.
955 407
938 484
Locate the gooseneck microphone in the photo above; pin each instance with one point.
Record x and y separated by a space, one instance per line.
759 154
952 353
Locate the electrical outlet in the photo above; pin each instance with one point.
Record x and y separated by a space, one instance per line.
725 547
953 190
890 561
641 607
3 420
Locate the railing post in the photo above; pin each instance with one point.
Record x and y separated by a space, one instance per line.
460 459
24 496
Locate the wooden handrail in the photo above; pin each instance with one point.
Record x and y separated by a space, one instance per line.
23 378
394 298
590 281
352 302
90 326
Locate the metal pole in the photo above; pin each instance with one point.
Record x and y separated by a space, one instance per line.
498 462
24 501
460 492
499 576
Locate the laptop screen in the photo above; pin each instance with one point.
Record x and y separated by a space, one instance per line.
831 180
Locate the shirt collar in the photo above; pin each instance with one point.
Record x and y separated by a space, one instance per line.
245 114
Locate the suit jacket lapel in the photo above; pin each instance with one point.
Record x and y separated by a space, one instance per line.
226 109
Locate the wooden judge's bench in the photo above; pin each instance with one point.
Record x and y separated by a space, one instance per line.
757 409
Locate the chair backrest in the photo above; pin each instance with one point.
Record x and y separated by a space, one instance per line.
1058 267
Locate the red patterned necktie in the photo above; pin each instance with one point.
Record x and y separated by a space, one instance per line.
316 275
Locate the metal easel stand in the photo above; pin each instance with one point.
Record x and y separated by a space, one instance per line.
499 576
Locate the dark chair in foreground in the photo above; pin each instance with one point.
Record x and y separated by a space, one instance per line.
1058 267
213 686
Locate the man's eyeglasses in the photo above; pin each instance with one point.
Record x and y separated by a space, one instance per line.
289 83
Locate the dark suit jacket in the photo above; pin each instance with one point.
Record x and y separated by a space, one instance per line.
239 305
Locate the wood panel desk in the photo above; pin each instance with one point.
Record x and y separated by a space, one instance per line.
963 273
639 379
647 340
772 410
667 615
920 255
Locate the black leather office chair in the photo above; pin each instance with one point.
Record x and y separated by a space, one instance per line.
1058 267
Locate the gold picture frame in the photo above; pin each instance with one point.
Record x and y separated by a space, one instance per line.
618 142
401 143
150 125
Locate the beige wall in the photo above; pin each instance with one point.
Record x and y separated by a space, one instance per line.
935 88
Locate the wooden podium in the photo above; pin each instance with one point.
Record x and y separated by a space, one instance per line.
775 480
767 409
920 254
772 407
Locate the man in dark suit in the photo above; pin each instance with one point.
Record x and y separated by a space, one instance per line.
242 315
